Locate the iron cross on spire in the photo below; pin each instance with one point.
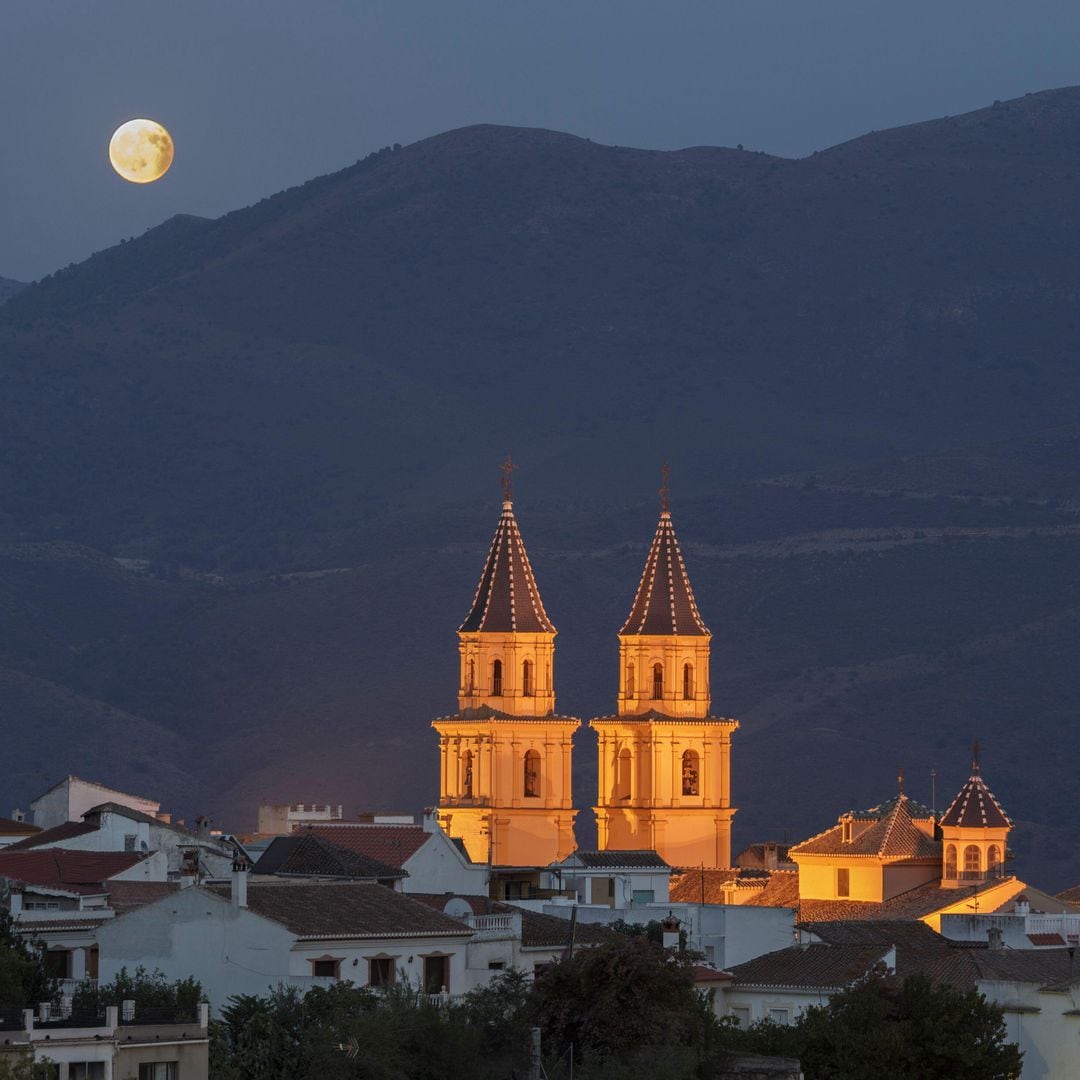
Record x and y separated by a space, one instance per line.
507 468
665 488
976 750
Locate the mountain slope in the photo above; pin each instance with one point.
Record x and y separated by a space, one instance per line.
862 365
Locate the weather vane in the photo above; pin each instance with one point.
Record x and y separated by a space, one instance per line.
665 488
507 468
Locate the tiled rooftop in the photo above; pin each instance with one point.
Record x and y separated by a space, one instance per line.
507 598
893 835
665 603
309 855
346 909
57 833
643 859
975 807
392 845
11 827
125 896
73 871
810 966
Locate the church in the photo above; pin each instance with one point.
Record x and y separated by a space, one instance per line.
663 781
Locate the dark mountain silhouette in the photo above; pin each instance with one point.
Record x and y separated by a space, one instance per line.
9 288
285 422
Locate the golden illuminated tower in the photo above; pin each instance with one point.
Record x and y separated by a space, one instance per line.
974 833
505 755
664 768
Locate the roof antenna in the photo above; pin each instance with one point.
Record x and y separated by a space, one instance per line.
507 468
665 489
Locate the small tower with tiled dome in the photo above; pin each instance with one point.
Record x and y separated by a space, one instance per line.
505 780
664 768
974 831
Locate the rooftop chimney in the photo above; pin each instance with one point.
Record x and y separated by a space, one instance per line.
994 937
238 893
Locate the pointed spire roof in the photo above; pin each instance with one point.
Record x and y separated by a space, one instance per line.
507 599
975 806
665 602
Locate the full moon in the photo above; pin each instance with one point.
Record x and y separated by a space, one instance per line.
141 151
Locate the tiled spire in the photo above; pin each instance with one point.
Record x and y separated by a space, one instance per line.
975 805
507 599
665 602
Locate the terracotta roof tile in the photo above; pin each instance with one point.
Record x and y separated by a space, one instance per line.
1042 940
975 807
689 884
507 598
306 854
1070 896
11 827
893 835
54 835
825 966
393 845
74 871
913 904
781 890
665 603
125 896
346 909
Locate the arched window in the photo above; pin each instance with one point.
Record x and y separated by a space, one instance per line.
657 682
470 677
690 781
993 859
972 862
532 774
629 680
950 862
467 774
622 775
527 678
496 678
687 682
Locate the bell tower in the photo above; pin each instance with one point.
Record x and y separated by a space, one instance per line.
505 778
974 833
664 762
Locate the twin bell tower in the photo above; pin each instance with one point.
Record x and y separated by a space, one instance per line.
506 755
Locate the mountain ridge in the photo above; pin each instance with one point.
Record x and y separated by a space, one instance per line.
876 340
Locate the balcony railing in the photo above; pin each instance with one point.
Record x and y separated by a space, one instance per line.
993 873
495 926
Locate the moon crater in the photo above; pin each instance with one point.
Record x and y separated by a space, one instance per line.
141 151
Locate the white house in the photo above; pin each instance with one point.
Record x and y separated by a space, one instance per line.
434 862
69 799
612 879
247 938
114 826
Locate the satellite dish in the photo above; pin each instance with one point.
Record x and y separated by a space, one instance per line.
457 908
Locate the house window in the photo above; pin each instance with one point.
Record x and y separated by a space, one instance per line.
657 682
950 862
526 678
88 1070
436 974
470 676
741 1015
780 1016
690 773
843 882
496 965
160 1070
993 859
467 774
327 967
532 774
687 682
629 680
643 896
58 963
129 842
496 678
380 970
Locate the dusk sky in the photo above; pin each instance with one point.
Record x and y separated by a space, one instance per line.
263 94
